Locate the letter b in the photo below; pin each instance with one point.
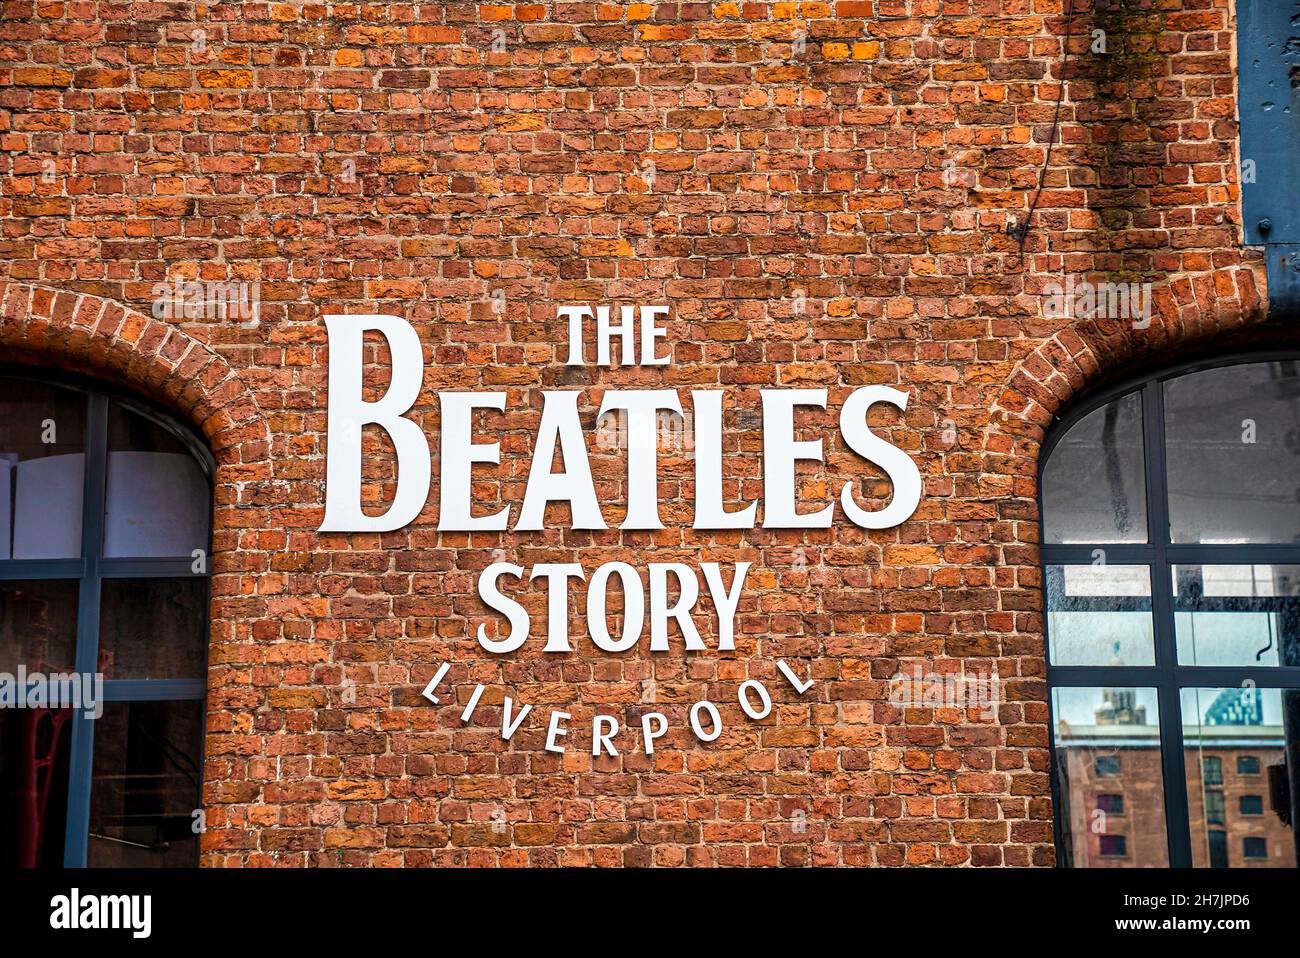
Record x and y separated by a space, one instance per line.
349 413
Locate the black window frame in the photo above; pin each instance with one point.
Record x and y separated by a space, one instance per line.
92 567
1253 799
1158 554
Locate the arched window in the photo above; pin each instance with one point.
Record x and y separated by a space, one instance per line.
105 512
1171 553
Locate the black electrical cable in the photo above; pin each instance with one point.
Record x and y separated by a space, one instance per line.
1021 230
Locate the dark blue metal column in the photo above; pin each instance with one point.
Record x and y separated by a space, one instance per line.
1268 86
81 761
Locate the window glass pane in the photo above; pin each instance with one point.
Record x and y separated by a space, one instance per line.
1220 728
153 628
1107 743
145 790
38 625
1237 614
34 749
1094 484
156 499
1231 438
42 470
1217 843
1211 770
1099 615
1214 808
1112 845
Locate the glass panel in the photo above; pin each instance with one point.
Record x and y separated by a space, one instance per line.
42 470
34 749
1237 614
153 628
156 500
1094 484
146 784
1228 815
1100 615
1233 437
38 625
1108 755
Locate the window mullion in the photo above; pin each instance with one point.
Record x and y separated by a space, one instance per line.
1162 609
81 762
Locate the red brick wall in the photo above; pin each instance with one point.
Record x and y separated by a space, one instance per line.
798 152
